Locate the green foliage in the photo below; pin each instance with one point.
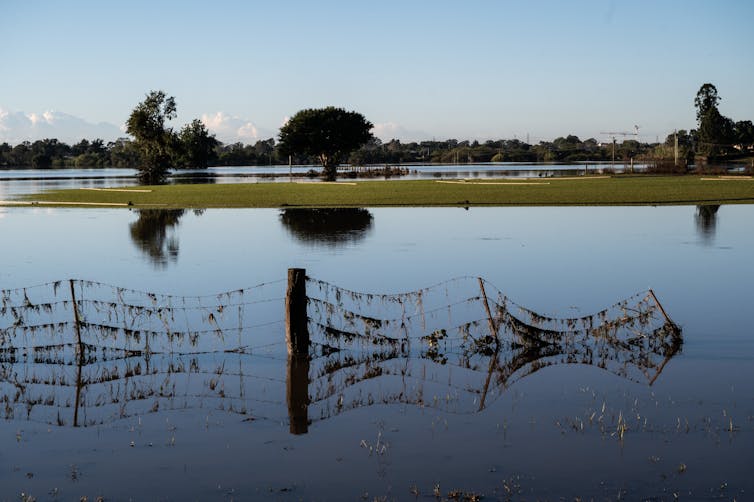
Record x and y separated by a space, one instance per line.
123 153
236 154
94 154
42 152
744 134
716 132
706 101
197 145
662 158
87 160
329 133
155 141
572 149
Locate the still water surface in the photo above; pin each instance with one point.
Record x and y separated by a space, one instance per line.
15 182
556 432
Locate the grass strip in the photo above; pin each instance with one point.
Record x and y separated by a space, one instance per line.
593 191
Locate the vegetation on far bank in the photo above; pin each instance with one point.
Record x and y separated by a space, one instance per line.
717 139
587 190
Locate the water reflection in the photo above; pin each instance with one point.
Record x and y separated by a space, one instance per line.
154 233
706 221
84 353
28 181
297 393
330 227
192 178
454 348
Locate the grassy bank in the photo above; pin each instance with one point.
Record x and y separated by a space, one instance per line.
619 190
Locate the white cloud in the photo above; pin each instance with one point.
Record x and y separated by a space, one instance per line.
390 130
16 127
232 129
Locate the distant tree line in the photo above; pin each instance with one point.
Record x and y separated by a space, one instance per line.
716 139
562 149
51 153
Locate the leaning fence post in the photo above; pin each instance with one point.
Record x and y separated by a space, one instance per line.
493 327
659 305
79 350
76 323
296 322
493 357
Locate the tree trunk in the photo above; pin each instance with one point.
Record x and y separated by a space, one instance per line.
329 168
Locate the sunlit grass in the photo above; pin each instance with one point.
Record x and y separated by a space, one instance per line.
618 190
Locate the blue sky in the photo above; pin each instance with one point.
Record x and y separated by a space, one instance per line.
416 69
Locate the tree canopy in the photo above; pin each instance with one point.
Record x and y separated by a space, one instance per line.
154 139
328 133
716 132
159 147
197 145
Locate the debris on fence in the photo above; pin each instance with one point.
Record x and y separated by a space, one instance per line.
81 352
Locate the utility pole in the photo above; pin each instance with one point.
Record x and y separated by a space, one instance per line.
624 134
675 149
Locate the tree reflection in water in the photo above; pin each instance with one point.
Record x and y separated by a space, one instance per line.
706 221
330 227
154 234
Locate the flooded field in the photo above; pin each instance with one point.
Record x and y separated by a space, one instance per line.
14 182
509 353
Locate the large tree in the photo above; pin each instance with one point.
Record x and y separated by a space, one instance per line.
197 145
155 141
715 131
329 133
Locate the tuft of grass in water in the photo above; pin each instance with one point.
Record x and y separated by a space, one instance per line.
590 191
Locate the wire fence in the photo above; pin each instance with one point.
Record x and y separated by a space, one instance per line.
83 353
456 345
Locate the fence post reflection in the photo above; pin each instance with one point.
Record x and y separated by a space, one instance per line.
297 393
79 364
452 346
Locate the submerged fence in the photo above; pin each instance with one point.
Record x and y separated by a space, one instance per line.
81 353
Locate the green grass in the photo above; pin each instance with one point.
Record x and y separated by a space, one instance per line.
618 190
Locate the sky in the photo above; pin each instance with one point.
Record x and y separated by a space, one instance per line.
416 69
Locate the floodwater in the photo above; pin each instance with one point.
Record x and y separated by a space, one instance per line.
15 182
417 401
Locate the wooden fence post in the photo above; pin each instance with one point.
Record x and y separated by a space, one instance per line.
662 310
79 351
493 332
77 324
296 322
493 326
